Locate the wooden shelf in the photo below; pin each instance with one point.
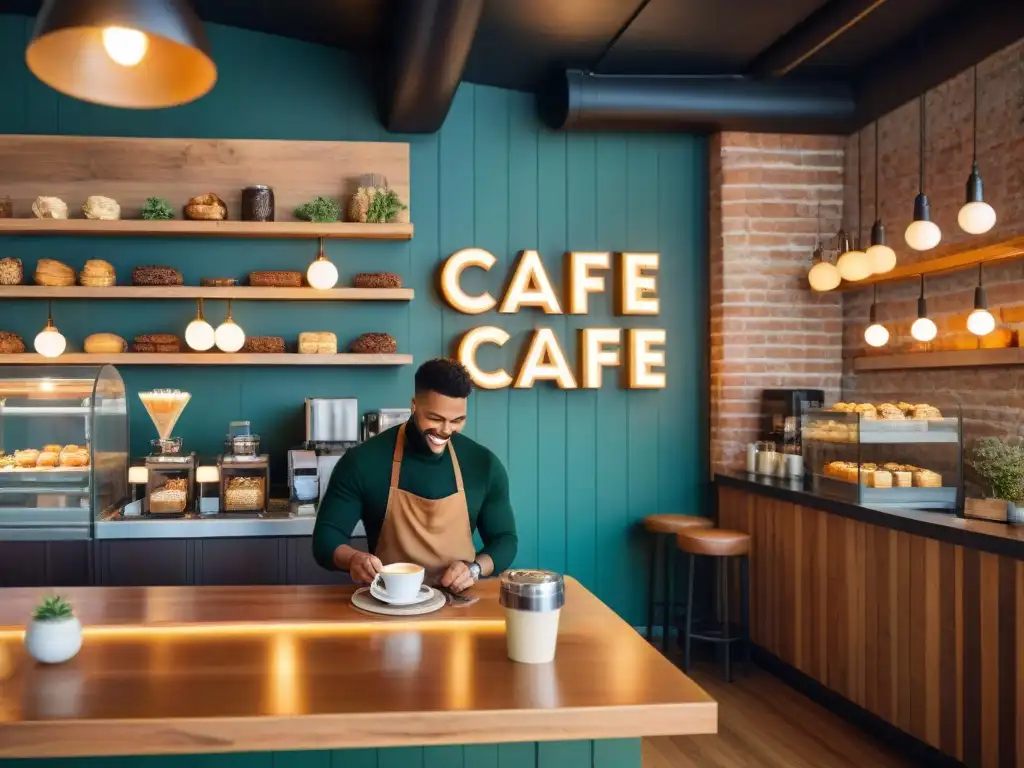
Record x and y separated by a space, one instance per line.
240 292
1001 251
206 358
179 228
971 358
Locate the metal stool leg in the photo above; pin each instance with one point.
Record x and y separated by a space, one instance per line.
689 614
724 586
652 583
745 608
667 624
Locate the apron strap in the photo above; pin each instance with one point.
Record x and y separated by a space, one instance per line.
396 460
455 466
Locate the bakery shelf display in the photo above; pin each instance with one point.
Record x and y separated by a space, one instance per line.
213 358
888 451
296 230
63 449
239 292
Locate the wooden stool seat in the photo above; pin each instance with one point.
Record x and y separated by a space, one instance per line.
675 523
714 542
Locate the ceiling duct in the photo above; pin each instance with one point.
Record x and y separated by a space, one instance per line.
583 101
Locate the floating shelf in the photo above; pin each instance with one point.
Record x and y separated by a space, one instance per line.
179 228
207 358
240 292
1001 251
971 358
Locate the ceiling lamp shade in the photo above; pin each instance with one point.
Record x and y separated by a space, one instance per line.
923 234
976 217
823 275
853 263
924 328
876 334
980 322
135 54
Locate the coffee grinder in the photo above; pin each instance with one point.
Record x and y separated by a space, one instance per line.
170 472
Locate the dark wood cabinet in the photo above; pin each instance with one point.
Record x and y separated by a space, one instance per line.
45 563
144 562
241 561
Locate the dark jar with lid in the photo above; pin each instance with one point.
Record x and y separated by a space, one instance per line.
258 203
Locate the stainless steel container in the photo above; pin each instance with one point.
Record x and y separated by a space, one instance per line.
531 590
532 601
332 420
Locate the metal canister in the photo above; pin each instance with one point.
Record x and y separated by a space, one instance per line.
258 203
533 601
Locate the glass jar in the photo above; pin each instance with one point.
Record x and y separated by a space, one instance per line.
258 203
766 457
6 208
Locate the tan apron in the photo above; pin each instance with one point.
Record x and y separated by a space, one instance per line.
431 532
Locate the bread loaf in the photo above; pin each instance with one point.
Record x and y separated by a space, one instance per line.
206 207
375 344
156 342
264 344
54 273
318 343
97 273
156 276
104 343
377 280
276 279
11 343
11 272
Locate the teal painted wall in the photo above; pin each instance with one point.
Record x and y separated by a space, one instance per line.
584 465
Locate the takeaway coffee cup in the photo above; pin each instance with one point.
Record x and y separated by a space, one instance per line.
401 581
532 601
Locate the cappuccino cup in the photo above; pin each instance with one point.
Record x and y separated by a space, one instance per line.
400 581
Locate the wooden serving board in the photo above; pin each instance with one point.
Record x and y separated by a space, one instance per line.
364 601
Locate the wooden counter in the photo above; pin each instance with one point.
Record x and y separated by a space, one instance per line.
225 669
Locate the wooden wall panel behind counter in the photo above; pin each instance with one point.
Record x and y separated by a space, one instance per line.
929 636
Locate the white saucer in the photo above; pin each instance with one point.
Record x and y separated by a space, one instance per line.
425 594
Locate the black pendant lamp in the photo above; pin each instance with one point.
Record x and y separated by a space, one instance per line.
976 217
135 54
883 258
923 234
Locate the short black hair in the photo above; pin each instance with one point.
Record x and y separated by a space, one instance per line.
445 376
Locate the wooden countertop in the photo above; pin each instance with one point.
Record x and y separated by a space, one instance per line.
224 669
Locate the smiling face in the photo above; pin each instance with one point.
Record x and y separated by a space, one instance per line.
437 417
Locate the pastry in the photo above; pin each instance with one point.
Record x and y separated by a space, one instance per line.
264 344
51 447
97 273
47 459
843 407
6 462
276 279
206 207
11 272
104 343
217 282
156 342
905 407
53 273
318 342
377 280
375 343
156 276
99 207
11 343
891 466
26 458
902 478
866 410
890 412
925 478
74 456
925 412
880 478
49 208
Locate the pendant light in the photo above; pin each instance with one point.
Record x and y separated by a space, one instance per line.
322 274
980 322
876 334
229 335
976 217
923 234
882 257
854 264
136 54
49 342
199 334
923 328
823 275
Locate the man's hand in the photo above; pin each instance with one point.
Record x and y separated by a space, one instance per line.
363 567
458 578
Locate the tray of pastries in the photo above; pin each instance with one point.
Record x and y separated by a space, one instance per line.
889 422
51 458
888 475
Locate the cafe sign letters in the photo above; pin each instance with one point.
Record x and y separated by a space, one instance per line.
639 353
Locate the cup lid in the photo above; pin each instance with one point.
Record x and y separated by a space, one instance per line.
532 589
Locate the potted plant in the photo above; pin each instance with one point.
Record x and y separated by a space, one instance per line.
55 634
1000 464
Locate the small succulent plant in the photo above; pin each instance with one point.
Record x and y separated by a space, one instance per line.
53 608
320 209
157 209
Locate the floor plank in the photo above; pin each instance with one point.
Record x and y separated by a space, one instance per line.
765 723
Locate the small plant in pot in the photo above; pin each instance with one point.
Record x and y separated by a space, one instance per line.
55 634
1000 465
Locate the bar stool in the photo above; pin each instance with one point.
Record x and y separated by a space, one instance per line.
661 528
724 546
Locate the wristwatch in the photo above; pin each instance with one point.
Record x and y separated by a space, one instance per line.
474 570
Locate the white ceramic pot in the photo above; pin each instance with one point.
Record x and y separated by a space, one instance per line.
54 641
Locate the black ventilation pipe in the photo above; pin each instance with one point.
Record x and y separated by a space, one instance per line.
424 60
582 101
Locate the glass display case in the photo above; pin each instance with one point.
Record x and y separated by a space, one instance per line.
63 449
886 451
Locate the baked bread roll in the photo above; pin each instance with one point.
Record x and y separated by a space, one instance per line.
276 279
375 344
925 411
902 479
881 478
925 478
318 343
105 344
843 407
377 280
264 344
206 207
11 271
53 273
866 410
11 343
47 459
156 276
26 458
97 273
76 457
890 412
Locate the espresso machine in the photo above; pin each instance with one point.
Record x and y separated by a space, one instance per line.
781 414
332 427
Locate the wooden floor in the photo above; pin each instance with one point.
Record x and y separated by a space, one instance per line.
763 722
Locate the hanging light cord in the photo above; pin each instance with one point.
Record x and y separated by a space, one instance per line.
876 170
860 192
974 128
920 183
922 286
981 276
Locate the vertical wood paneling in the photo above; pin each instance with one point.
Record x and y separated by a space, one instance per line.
926 635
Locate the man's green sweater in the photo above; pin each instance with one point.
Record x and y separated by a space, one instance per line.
358 489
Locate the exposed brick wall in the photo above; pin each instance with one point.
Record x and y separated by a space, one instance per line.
993 398
768 329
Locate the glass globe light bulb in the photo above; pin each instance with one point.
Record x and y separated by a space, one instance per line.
923 329
229 336
876 335
923 235
980 322
824 276
199 335
854 266
125 46
322 274
882 257
49 342
976 218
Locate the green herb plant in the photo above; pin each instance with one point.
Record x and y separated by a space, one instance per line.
1001 464
319 210
53 608
384 207
157 209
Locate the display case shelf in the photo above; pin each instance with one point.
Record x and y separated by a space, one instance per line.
236 292
296 230
208 358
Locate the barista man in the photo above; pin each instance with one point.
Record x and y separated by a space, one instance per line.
421 490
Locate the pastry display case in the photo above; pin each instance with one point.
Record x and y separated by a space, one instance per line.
886 452
63 450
